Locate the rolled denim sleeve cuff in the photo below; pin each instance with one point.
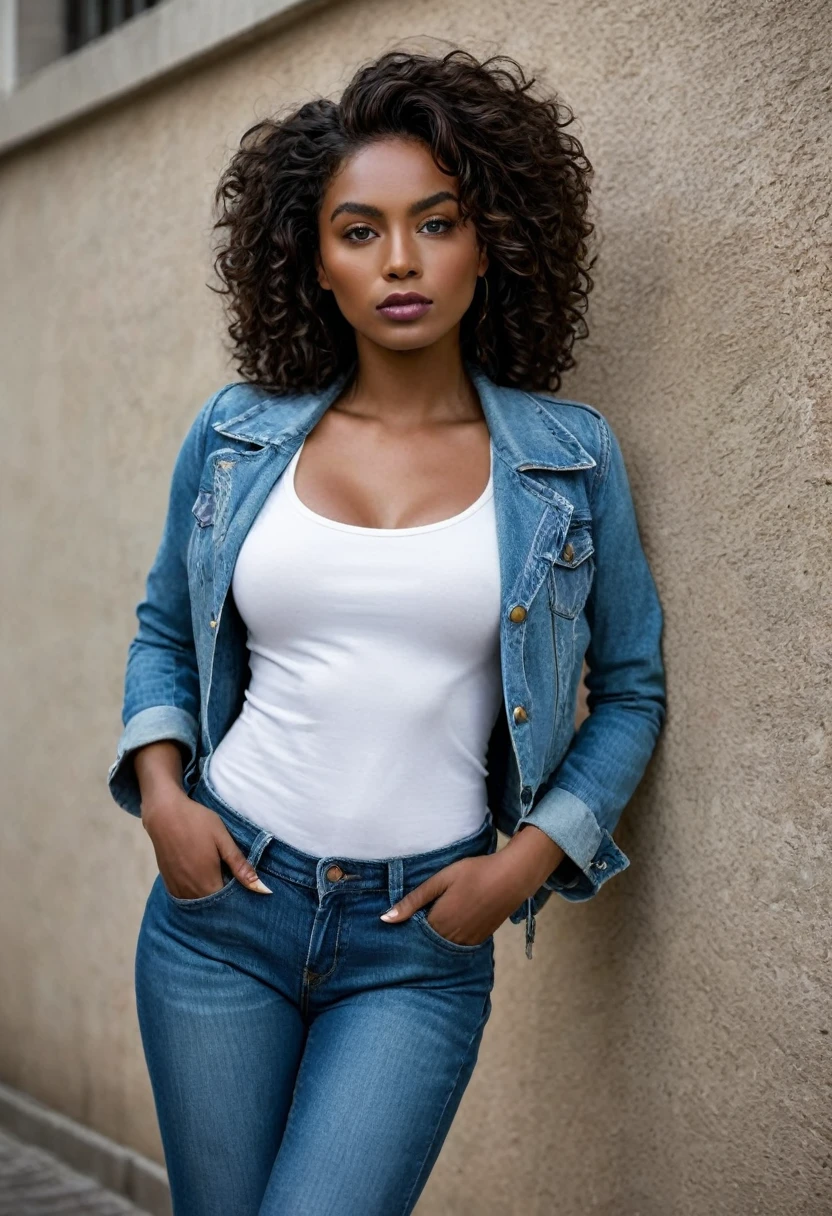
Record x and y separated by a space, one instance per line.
569 822
148 726
592 856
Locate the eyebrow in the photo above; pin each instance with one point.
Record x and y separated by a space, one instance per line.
376 213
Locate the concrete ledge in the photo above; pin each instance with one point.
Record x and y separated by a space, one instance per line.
160 42
118 1169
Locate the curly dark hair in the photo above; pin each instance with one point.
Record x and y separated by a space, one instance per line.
522 179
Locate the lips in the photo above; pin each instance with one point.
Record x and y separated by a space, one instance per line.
404 297
404 306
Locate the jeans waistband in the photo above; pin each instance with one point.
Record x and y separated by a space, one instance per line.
306 869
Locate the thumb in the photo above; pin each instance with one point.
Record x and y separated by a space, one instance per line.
240 868
427 891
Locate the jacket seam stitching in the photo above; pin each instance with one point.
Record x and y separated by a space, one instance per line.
603 466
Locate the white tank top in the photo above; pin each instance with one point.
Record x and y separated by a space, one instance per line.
375 678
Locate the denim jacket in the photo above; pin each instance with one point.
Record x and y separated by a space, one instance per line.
575 583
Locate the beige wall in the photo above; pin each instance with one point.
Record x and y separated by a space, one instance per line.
665 1050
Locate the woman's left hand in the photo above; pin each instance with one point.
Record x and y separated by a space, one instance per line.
476 894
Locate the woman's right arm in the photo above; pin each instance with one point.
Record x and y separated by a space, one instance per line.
161 708
161 682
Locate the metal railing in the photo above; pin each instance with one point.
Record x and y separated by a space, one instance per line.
86 20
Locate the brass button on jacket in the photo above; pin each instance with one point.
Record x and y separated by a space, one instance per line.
568 553
520 714
518 614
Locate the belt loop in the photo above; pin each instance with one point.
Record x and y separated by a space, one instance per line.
395 880
530 926
260 841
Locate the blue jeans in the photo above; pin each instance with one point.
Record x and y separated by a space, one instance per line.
305 1056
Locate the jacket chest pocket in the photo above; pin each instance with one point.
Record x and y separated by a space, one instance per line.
571 573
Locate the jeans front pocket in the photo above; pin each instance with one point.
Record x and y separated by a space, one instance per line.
231 882
202 900
421 918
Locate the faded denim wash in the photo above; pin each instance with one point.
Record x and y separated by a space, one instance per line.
575 583
306 1057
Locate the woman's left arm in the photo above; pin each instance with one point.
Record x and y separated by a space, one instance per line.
581 802
576 811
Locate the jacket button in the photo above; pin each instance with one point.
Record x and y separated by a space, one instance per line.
568 553
520 714
213 624
518 614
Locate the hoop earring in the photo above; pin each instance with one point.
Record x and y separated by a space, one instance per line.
485 301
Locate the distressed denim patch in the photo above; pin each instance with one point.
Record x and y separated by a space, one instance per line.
203 508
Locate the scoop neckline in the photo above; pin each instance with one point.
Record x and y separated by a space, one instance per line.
360 529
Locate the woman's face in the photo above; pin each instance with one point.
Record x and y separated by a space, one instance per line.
389 225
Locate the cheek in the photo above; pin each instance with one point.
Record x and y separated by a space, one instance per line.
347 275
455 266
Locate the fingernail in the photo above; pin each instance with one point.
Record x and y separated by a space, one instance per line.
257 885
390 914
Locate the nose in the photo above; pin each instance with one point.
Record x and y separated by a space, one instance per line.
402 261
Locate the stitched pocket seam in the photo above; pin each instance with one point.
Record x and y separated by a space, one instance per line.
420 916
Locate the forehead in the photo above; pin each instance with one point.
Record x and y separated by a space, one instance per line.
391 170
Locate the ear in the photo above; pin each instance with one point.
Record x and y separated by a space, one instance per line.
321 273
482 265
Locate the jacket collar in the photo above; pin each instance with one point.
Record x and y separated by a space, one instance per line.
524 432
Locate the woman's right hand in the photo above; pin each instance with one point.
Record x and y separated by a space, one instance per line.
190 840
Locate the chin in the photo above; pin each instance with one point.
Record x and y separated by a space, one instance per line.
394 342
407 339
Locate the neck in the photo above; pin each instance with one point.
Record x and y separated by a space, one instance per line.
405 389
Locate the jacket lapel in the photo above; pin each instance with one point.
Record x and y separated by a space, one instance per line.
532 517
243 480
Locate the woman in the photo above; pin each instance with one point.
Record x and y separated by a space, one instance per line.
385 556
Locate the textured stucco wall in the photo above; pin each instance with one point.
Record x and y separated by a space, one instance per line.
667 1050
